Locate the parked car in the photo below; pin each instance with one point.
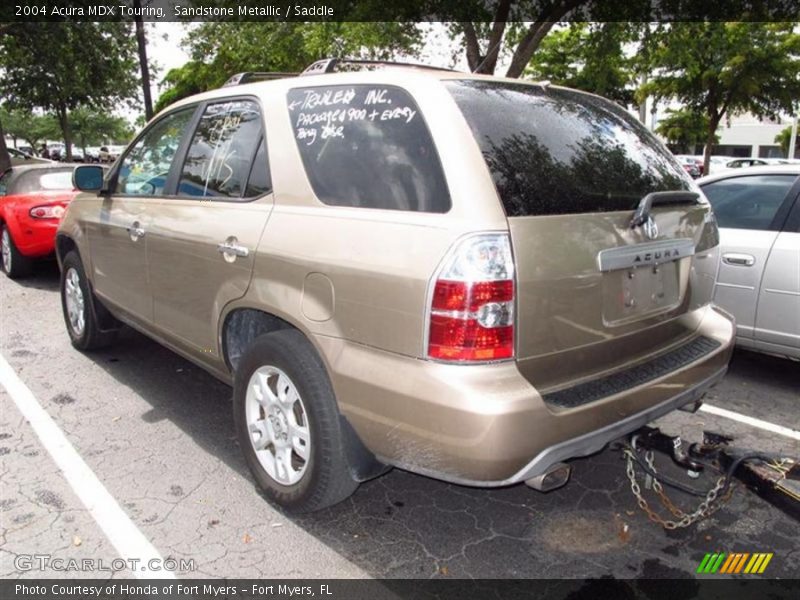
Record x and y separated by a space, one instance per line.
462 276
108 154
57 151
19 158
27 150
758 212
32 202
690 164
92 154
746 162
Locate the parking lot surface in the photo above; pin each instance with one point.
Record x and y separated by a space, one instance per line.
157 432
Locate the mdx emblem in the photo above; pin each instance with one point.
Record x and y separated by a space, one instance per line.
650 228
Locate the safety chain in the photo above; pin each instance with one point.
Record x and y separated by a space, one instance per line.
711 504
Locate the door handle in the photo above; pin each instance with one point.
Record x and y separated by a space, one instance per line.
230 249
135 231
739 260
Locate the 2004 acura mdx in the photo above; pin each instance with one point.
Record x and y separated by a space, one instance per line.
468 277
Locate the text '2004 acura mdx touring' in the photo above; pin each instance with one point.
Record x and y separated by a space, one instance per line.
467 277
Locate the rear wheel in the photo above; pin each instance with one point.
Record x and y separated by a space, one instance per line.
78 304
287 423
15 265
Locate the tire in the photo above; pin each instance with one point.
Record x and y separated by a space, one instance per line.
15 265
321 479
80 307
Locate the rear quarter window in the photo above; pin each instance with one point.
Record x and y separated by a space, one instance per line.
556 151
367 146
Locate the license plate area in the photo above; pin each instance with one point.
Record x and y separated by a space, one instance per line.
643 279
640 291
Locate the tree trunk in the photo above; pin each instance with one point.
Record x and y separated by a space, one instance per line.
5 159
66 131
713 123
142 43
473 48
524 52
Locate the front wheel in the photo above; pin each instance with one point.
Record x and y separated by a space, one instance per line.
287 424
78 304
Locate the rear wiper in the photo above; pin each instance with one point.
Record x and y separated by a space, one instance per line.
645 204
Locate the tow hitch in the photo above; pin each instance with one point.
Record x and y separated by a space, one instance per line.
776 478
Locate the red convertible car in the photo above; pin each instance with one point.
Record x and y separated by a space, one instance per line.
33 199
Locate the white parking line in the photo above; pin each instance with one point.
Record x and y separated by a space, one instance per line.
765 425
118 528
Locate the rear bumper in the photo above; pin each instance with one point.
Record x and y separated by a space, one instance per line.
486 425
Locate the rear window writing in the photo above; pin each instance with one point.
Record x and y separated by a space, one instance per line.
555 151
367 146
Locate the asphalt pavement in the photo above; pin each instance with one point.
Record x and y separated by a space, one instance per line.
157 432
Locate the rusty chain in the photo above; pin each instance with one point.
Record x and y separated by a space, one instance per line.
711 504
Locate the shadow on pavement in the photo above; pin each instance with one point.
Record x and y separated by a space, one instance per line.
404 525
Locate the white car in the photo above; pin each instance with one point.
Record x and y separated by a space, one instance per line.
758 212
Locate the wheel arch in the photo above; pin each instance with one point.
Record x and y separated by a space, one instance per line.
64 245
241 326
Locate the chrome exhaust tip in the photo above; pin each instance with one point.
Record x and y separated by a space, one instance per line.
555 477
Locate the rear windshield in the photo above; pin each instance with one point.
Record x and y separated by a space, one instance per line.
38 180
367 146
554 151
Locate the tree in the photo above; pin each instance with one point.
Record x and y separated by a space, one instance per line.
219 50
685 129
589 57
783 139
29 126
62 65
96 127
484 41
141 46
718 69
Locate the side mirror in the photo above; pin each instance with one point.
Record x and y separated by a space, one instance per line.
88 178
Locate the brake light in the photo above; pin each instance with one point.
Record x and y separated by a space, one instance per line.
50 211
472 303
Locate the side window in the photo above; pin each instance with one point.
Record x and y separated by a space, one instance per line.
220 156
749 202
259 181
144 169
367 146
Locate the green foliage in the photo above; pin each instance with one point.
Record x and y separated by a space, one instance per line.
589 57
29 126
717 69
783 139
684 128
92 127
219 50
60 66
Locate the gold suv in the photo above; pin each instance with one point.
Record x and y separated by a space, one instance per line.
468 277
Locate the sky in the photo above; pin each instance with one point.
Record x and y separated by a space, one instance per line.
164 48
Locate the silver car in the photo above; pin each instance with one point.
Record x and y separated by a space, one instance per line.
758 212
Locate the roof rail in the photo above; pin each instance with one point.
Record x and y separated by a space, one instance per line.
329 65
251 76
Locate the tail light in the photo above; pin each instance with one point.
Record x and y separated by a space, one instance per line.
472 302
49 211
